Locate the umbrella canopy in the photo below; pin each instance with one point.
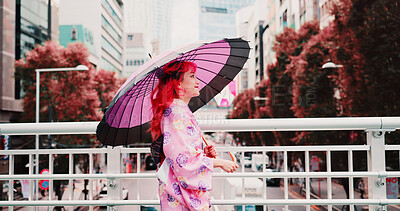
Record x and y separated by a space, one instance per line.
127 118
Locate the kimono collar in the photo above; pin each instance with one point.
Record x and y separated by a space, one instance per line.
179 102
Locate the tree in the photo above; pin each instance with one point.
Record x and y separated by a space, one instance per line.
65 96
244 108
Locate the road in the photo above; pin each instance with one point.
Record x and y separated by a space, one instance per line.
148 191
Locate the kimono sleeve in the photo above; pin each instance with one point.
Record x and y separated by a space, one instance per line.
187 160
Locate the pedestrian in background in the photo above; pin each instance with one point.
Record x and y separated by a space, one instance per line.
361 187
185 172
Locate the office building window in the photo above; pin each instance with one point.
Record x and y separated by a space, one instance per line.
74 33
114 34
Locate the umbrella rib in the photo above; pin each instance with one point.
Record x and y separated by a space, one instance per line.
210 71
225 64
209 85
141 109
211 47
139 83
220 54
148 77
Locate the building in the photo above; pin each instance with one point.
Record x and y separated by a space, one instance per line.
207 20
250 21
326 17
148 31
105 21
24 25
136 53
153 19
79 33
269 18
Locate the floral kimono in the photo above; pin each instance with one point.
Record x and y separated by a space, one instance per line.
190 174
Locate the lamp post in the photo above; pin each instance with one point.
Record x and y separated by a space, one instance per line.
330 66
260 98
38 71
261 30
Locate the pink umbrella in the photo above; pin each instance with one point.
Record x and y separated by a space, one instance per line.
128 116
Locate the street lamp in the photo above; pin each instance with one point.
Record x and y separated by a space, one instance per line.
261 30
331 65
260 98
38 71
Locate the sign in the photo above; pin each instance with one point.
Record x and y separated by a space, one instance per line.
44 184
392 187
5 140
314 163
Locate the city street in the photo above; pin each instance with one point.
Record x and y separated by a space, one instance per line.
148 191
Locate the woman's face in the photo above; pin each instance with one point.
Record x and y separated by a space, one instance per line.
190 84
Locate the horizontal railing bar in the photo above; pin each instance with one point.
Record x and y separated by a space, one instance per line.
222 149
240 174
296 148
53 151
253 201
392 147
280 124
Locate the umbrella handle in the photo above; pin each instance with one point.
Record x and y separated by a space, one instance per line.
230 154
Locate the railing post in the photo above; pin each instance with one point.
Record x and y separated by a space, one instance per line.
376 163
114 188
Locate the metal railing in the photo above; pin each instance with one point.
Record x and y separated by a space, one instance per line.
374 127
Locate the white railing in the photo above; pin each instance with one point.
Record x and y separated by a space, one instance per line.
375 128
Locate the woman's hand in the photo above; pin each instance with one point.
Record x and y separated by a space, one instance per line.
226 165
210 151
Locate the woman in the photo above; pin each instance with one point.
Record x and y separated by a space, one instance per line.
189 176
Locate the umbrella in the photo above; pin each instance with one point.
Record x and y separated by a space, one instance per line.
127 118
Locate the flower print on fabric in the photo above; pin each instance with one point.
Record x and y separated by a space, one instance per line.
167 111
195 152
207 161
170 198
183 182
203 185
191 131
181 160
201 171
178 124
162 187
177 189
170 163
178 110
190 176
167 138
172 202
199 193
194 202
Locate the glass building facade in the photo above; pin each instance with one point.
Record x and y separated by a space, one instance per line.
33 24
32 27
217 18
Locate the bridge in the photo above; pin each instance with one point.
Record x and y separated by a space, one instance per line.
115 171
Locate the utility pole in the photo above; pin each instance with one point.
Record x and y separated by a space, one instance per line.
261 30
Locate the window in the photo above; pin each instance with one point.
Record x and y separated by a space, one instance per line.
110 49
114 34
130 37
214 10
74 33
284 19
